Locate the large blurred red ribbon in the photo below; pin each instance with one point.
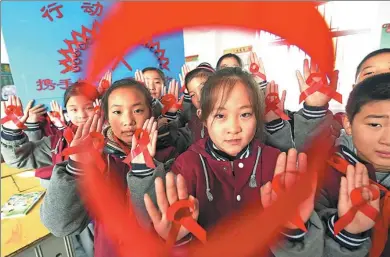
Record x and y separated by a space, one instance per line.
254 69
13 112
272 105
180 215
358 204
169 101
319 85
141 148
92 144
380 235
278 187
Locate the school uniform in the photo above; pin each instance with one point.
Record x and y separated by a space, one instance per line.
223 185
326 205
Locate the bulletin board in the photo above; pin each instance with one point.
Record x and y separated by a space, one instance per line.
47 44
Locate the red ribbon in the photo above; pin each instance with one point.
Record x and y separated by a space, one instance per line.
169 101
57 115
319 86
278 187
180 215
272 105
104 86
13 112
254 69
97 141
68 135
141 148
358 204
96 109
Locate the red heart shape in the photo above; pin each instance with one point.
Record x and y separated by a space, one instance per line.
310 33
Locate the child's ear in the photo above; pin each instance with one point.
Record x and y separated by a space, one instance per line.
199 113
347 125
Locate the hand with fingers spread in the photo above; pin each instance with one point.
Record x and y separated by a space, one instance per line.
139 76
316 99
184 71
150 126
13 107
357 177
166 198
105 82
56 114
256 67
93 124
287 170
271 95
97 107
170 101
35 113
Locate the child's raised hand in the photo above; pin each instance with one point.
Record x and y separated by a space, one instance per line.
273 88
288 167
56 114
165 198
15 102
151 127
254 59
317 99
105 82
356 177
35 113
93 124
174 90
184 71
139 76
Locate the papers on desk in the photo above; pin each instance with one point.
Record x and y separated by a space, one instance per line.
20 204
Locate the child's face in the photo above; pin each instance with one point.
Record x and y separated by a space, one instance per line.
127 111
194 89
229 62
232 126
154 83
374 65
370 132
79 109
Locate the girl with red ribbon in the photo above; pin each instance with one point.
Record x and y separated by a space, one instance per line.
129 155
354 199
231 169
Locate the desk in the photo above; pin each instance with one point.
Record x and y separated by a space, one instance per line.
27 236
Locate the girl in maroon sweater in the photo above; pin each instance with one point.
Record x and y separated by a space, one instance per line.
231 168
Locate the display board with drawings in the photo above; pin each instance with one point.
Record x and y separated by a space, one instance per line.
47 45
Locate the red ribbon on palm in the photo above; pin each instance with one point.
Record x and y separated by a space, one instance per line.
13 112
141 148
169 101
317 82
272 105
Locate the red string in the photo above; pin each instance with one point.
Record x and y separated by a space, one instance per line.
180 215
12 113
272 105
319 85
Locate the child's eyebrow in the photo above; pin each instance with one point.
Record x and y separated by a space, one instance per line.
373 116
246 106
119 105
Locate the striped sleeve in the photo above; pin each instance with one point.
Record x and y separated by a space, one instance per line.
31 126
187 98
12 134
263 84
296 235
274 126
344 238
170 115
314 112
73 168
141 170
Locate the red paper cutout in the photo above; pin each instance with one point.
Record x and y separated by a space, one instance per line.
94 139
160 53
272 105
319 86
110 44
169 101
254 69
278 187
13 113
141 148
358 204
180 215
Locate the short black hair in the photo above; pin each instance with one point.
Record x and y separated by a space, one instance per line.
375 88
370 55
229 55
203 70
160 72
129 83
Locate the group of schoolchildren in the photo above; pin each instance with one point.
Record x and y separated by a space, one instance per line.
216 147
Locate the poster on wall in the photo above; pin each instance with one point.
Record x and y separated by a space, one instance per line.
47 45
6 82
385 36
